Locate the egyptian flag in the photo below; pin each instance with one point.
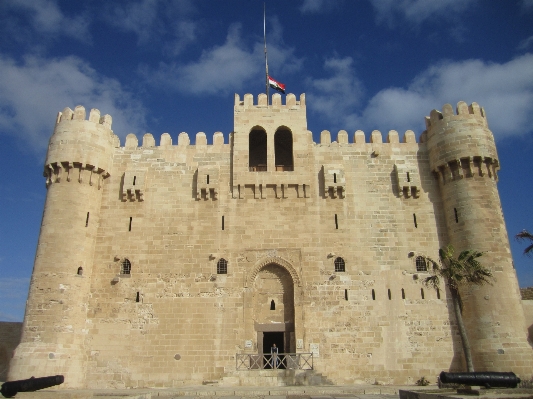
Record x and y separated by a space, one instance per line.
276 85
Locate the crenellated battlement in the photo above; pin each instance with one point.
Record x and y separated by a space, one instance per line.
460 143
472 111
290 101
80 114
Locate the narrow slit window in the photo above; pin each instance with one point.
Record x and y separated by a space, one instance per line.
207 179
438 293
222 222
422 293
414 220
373 294
334 178
403 293
137 298
389 294
222 266
456 215
336 222
340 265
80 271
345 294
272 305
134 179
87 220
129 228
408 177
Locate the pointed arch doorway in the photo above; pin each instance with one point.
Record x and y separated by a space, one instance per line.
273 309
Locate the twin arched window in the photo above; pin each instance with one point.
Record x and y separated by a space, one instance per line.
257 150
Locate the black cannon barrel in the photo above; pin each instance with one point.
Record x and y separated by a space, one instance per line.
10 388
488 379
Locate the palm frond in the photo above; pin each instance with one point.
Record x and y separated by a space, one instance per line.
525 235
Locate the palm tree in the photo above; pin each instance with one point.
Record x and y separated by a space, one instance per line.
465 270
527 236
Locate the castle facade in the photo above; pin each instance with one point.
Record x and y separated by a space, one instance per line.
170 264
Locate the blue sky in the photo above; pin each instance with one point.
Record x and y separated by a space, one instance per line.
171 66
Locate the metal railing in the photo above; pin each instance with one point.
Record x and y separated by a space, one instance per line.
294 361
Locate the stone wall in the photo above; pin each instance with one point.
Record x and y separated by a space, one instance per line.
10 333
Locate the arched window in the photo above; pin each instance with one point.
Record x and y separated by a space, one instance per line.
257 150
222 266
283 150
125 267
421 265
80 271
272 305
340 266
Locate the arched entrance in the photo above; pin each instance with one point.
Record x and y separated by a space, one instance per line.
273 309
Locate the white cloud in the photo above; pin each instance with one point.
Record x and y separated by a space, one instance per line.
526 43
337 96
225 68
318 6
46 17
13 294
504 90
417 11
32 92
151 19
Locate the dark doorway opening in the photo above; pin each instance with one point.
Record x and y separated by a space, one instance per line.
270 338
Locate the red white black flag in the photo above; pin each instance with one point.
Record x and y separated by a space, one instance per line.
276 85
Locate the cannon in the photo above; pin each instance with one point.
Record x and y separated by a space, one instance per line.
10 388
487 379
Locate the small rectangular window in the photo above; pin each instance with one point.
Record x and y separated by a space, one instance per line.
345 295
373 295
408 177
414 219
334 178
129 228
87 220
134 179
336 222
222 222
207 182
456 215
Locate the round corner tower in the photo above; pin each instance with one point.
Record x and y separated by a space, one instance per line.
54 331
463 156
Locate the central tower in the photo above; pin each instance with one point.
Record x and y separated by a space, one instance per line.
269 143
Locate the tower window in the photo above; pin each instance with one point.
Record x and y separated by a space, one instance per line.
438 293
257 150
125 267
373 295
456 215
408 178
134 179
87 220
414 220
340 265
336 222
222 222
422 293
334 178
129 228
207 182
403 293
283 150
389 294
345 294
222 266
272 305
80 271
421 264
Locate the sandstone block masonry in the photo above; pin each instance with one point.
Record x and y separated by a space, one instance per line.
158 264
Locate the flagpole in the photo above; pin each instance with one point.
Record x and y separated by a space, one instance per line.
266 61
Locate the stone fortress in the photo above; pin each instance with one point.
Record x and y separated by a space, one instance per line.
162 265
